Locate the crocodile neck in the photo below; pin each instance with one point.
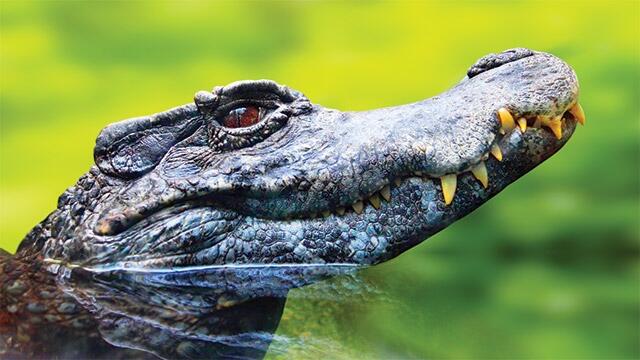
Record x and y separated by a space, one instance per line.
37 318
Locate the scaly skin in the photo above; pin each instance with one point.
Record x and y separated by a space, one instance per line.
305 185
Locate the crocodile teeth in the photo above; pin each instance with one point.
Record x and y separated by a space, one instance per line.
578 113
386 193
417 173
480 172
506 119
397 182
496 152
555 125
358 206
522 123
449 183
375 201
326 213
340 211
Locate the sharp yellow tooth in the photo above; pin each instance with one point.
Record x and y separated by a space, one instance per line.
522 123
496 152
340 211
480 172
578 113
375 201
506 119
555 125
386 193
397 181
418 173
326 213
449 183
358 206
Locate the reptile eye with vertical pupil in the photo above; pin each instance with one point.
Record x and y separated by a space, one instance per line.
242 117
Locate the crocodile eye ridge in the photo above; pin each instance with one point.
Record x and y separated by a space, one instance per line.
245 113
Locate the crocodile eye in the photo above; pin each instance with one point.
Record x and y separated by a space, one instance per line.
242 117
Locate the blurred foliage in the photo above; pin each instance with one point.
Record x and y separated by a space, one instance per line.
547 269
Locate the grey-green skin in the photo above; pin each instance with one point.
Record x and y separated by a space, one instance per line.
177 190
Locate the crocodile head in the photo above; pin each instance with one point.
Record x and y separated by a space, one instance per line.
254 173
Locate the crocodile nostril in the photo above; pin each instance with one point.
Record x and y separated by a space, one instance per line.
494 60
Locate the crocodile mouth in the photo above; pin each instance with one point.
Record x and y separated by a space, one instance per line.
541 126
553 128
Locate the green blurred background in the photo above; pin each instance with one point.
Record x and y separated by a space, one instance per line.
547 269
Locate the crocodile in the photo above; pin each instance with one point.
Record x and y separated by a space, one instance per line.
253 173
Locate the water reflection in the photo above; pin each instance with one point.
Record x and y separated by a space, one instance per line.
204 312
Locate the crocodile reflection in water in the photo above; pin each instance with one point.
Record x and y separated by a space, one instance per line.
200 312
253 173
210 312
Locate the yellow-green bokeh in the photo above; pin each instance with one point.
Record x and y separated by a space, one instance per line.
547 269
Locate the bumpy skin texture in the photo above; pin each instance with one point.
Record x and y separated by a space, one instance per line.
178 189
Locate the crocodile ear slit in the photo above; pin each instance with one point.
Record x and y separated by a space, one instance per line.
133 147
